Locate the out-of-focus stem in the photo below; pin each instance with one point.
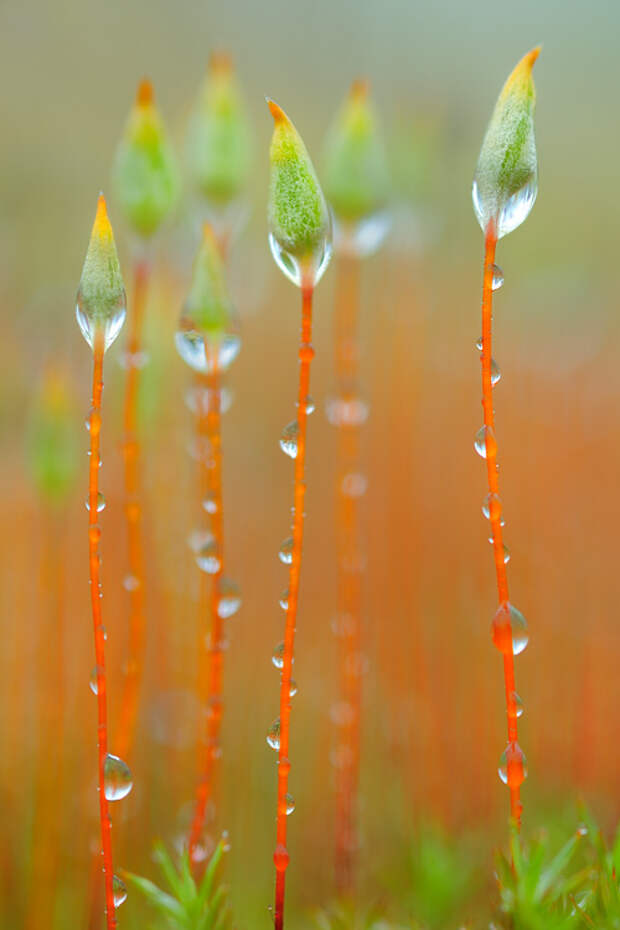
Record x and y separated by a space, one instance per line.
349 580
493 484
133 513
306 354
94 534
209 427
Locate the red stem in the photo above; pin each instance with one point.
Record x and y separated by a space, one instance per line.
306 353
94 534
493 484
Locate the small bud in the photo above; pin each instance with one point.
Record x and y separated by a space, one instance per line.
145 172
506 180
219 138
356 170
299 221
207 338
52 447
100 303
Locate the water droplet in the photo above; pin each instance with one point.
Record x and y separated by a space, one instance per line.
208 557
498 277
277 657
509 630
120 891
485 442
479 344
310 405
291 266
273 734
492 507
513 211
346 411
197 539
137 360
91 325
495 372
201 399
131 583
290 804
288 439
354 485
229 598
93 421
281 858
94 687
117 778
363 237
512 766
342 713
100 502
192 347
292 688
286 551
507 553
284 599
518 703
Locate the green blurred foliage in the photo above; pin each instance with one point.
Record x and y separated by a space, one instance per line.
51 439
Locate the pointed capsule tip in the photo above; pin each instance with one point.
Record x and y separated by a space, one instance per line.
144 96
360 88
279 116
101 226
220 62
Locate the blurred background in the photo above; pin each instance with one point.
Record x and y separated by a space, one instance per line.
434 723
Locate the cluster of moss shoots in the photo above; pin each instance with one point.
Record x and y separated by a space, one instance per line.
303 231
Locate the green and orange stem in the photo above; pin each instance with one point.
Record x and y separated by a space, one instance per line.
94 535
515 768
133 513
211 670
306 354
349 581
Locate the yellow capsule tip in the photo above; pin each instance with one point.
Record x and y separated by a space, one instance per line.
279 116
101 226
220 62
360 88
145 95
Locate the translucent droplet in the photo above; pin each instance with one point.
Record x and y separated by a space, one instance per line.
485 442
342 713
100 502
120 891
292 688
286 551
281 858
273 734
512 767
91 325
288 439
229 598
284 599
492 507
518 703
479 344
346 411
201 399
210 503
363 237
498 277
495 372
198 538
310 406
290 804
208 557
93 421
131 583
117 778
192 347
509 630
295 271
277 657
513 211
128 360
94 686
354 485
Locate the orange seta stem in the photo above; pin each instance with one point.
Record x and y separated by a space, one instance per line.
94 535
133 513
209 427
349 579
490 245
306 354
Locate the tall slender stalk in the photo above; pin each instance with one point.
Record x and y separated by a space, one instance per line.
306 354
349 577
135 580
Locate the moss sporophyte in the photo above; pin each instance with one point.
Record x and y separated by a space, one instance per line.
503 193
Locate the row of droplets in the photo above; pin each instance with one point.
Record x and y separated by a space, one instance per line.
117 777
509 629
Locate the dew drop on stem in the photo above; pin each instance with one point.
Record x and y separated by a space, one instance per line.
117 778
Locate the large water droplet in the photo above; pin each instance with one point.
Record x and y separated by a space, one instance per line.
277 657
192 347
311 272
288 439
495 372
290 804
273 734
485 442
91 325
286 551
120 891
208 557
94 685
512 766
498 277
492 507
100 502
309 405
229 598
512 212
346 411
509 630
117 778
